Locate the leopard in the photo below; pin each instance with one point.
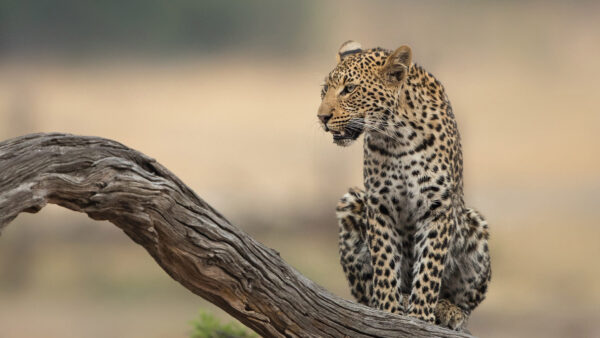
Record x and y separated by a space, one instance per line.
408 244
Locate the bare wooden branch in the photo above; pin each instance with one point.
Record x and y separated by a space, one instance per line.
191 241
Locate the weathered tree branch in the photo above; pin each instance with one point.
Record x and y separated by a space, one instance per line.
190 240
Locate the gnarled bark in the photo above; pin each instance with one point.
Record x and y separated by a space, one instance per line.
191 241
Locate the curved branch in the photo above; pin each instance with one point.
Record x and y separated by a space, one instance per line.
191 241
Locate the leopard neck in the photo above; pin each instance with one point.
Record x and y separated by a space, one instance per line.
421 124
421 110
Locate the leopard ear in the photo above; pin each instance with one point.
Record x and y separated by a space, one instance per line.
348 48
397 64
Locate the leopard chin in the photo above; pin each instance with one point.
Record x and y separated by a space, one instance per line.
343 142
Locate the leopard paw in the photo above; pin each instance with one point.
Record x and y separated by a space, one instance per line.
430 318
450 316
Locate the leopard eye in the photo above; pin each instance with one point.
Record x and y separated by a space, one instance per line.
324 90
348 89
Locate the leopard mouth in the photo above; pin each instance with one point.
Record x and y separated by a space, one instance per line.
337 135
350 133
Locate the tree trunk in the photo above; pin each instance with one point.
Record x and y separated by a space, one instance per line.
190 240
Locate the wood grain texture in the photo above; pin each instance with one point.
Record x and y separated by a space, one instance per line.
190 240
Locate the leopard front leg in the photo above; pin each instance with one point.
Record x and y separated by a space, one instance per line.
432 240
354 252
384 248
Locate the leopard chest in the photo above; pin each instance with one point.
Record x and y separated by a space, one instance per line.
399 184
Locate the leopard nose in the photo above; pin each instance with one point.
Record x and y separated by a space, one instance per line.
325 118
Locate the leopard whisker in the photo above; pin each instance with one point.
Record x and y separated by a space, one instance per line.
379 130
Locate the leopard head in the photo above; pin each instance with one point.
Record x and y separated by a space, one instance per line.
362 90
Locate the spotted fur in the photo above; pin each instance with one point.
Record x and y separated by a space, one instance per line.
407 242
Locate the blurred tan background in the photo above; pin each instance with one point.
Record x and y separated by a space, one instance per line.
225 95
